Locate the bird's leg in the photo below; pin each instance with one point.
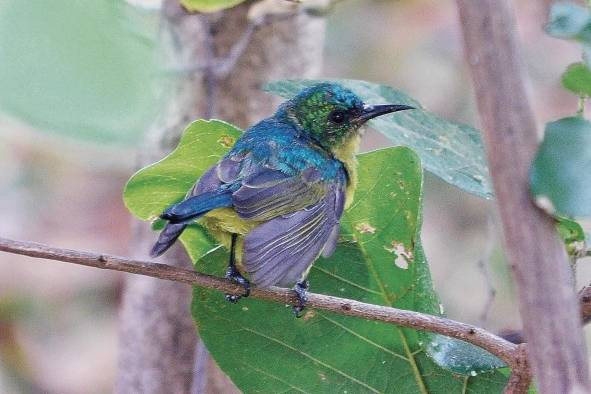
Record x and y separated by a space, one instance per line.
300 289
235 276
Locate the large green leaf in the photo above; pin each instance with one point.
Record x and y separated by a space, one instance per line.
452 151
80 69
262 347
560 176
152 189
209 5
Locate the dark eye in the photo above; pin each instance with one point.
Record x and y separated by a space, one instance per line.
337 117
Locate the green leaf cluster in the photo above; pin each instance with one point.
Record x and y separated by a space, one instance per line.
379 259
559 177
571 21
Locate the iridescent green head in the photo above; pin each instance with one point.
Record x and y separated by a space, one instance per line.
331 114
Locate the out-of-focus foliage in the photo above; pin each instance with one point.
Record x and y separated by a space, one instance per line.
560 180
571 21
577 79
573 237
209 5
82 69
380 260
560 176
453 152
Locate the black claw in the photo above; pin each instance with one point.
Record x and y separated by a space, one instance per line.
300 290
232 298
235 276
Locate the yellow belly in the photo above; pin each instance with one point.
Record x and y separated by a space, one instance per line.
223 222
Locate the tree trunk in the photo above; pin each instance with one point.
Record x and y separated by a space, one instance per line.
548 304
157 335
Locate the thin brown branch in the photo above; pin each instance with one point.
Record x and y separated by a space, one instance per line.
503 349
520 378
222 67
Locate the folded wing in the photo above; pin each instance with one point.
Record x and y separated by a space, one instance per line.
300 215
281 251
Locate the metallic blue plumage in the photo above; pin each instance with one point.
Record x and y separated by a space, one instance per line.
280 191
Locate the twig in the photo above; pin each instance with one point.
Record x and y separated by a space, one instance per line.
221 67
520 378
216 68
227 64
503 349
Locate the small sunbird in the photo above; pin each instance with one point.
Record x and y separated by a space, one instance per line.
276 198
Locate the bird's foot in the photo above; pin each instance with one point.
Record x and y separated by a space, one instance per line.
300 289
233 275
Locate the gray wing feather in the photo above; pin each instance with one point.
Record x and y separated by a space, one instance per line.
224 172
280 251
270 193
302 211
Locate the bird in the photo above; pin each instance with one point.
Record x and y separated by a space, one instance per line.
276 198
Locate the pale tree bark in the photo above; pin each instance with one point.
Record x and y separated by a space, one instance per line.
547 300
157 335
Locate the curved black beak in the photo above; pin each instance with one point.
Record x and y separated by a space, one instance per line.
372 111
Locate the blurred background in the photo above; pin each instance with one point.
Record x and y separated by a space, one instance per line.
81 81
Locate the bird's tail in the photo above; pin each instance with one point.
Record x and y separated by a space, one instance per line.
196 206
167 237
180 215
